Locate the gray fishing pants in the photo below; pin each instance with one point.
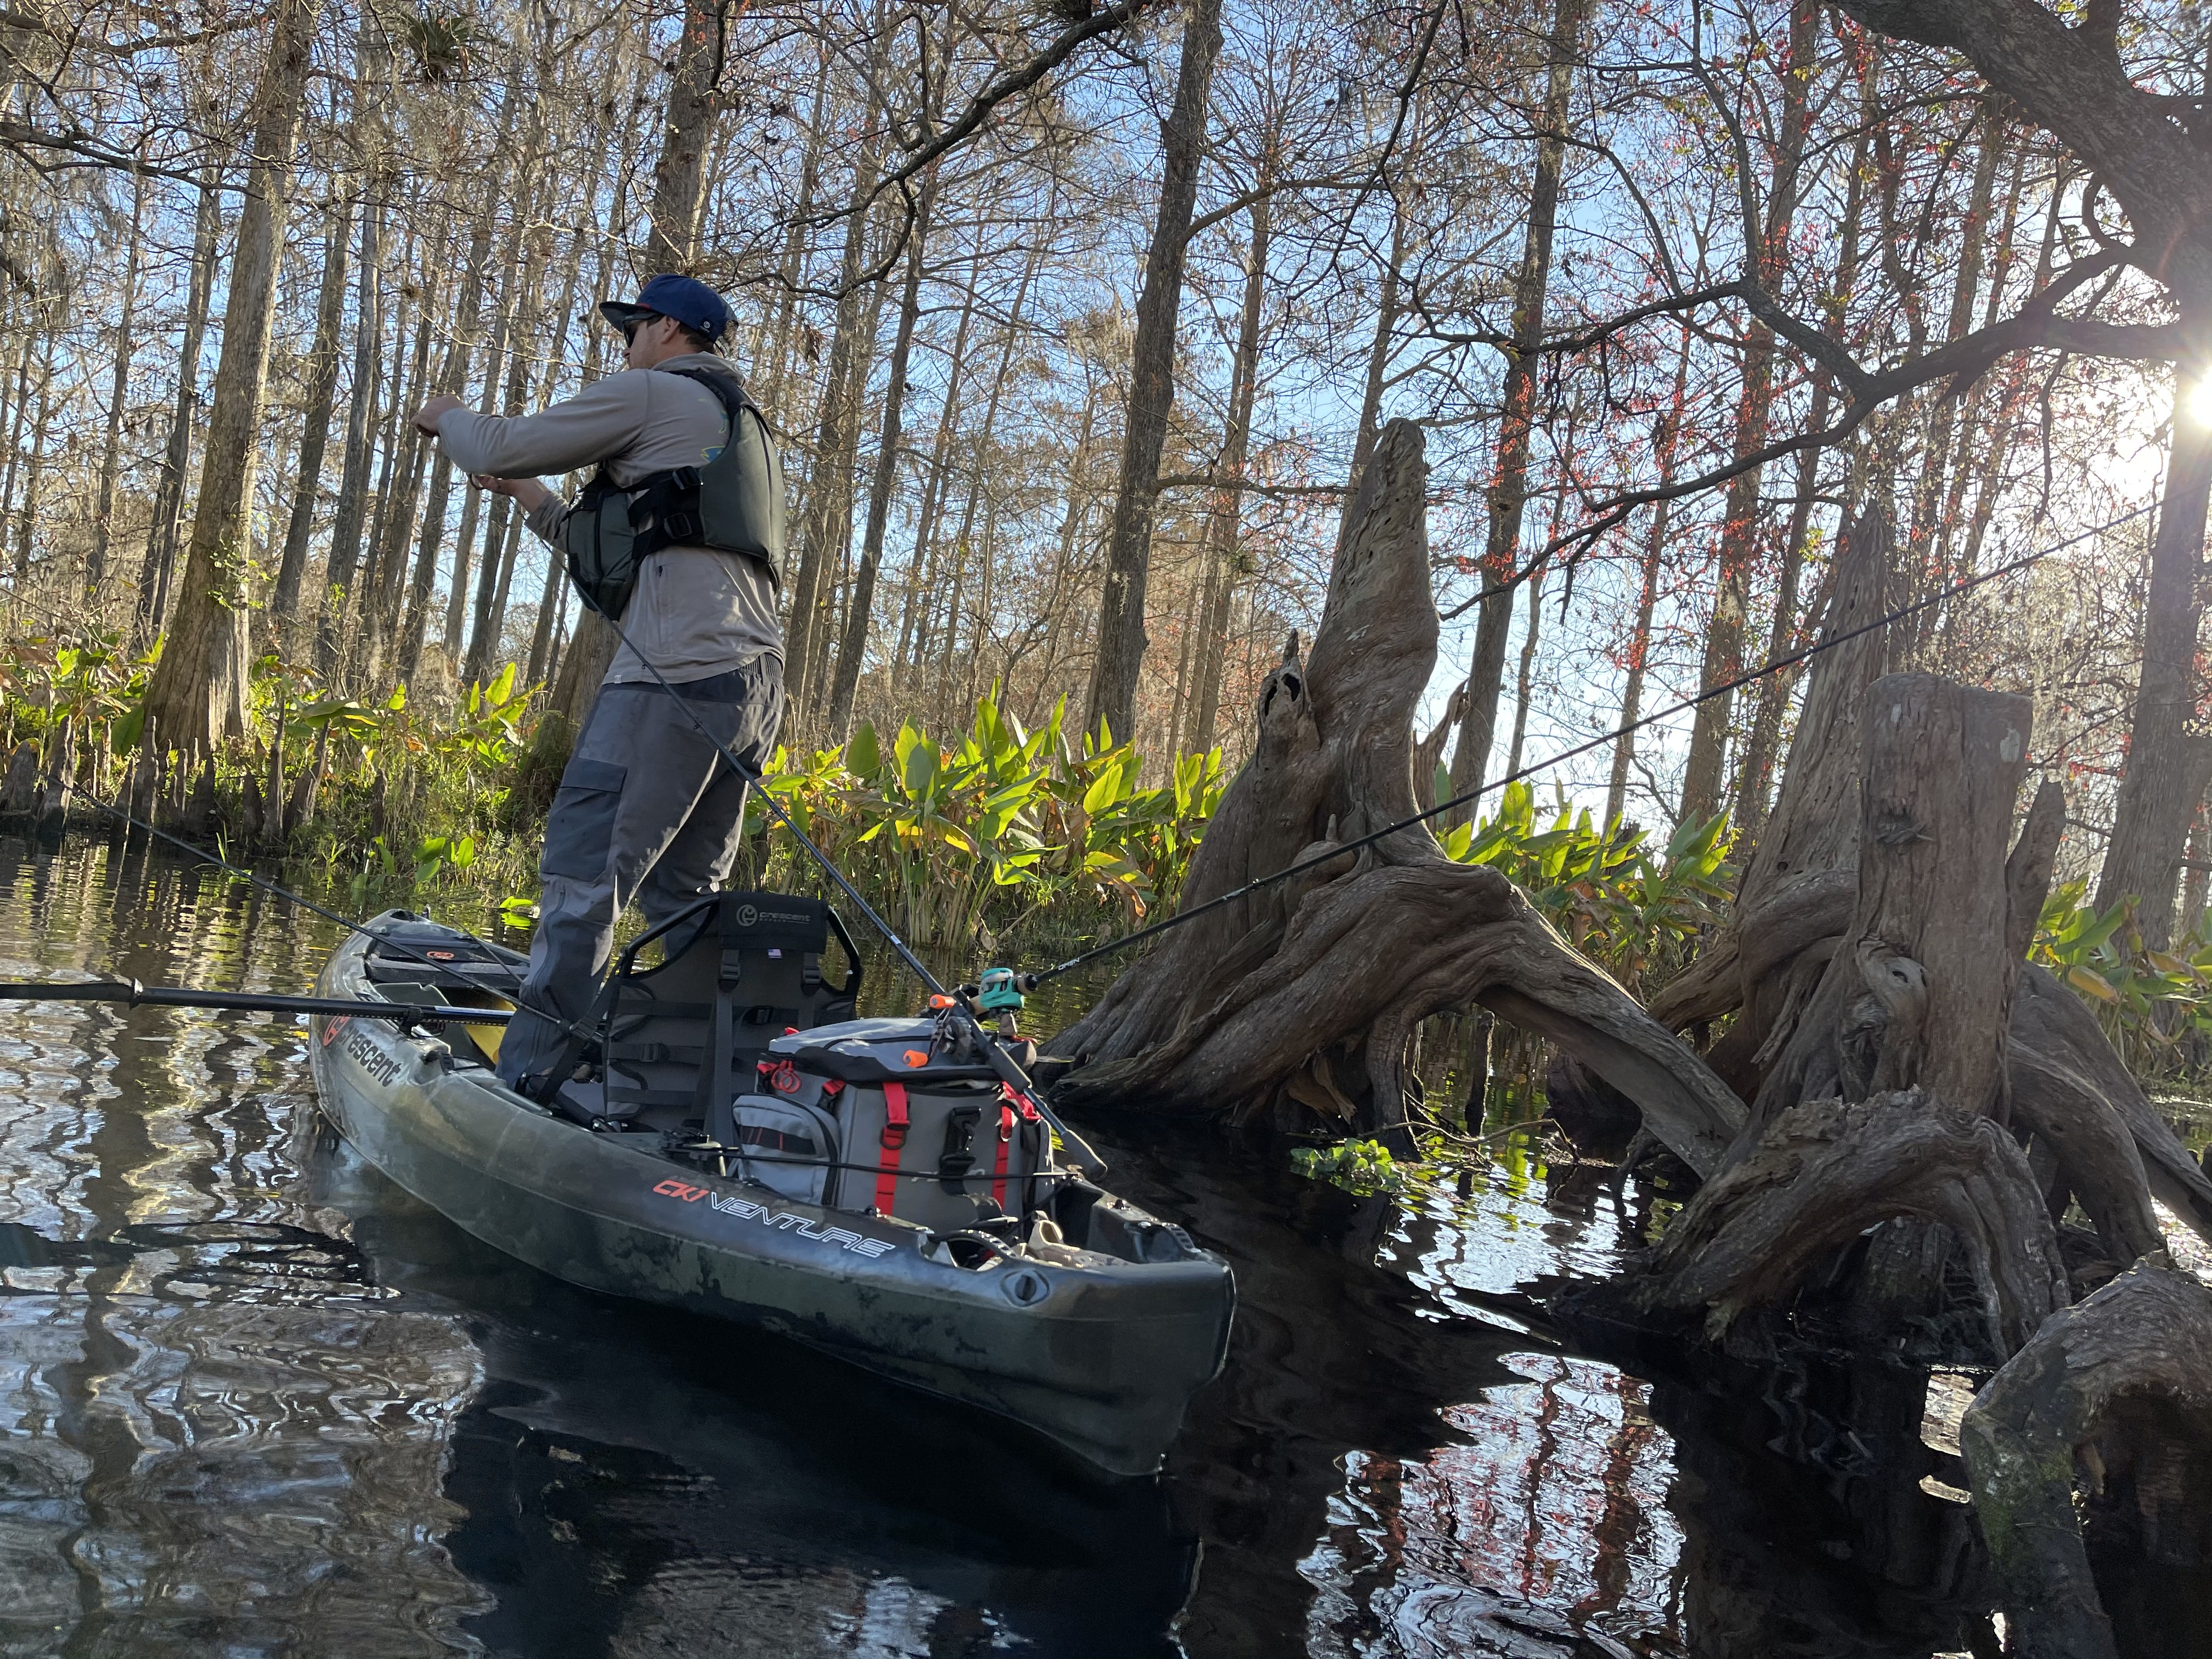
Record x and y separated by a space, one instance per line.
648 811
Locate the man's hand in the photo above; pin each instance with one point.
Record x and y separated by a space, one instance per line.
426 418
525 493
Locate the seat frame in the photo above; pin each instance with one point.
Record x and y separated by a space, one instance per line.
752 963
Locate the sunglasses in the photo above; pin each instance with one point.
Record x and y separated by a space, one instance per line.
630 328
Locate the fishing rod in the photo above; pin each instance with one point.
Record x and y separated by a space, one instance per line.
1031 981
388 945
131 994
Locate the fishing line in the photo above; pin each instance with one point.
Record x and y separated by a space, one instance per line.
1030 981
914 962
568 1028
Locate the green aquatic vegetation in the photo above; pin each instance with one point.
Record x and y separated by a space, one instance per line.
964 838
970 837
1364 1167
2154 1006
1635 911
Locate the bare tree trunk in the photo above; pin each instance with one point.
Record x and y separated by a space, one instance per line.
2168 766
1228 513
381 615
1379 353
1152 383
920 564
455 379
962 543
484 630
457 608
853 648
795 242
34 464
679 175
549 604
351 509
1766 250
176 462
111 455
19 417
1067 576
1524 681
315 424
1508 485
197 691
503 541
1667 432
1774 690
829 513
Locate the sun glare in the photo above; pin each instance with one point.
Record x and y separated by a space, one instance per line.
2199 401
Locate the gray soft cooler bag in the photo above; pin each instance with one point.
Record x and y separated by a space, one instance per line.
927 1141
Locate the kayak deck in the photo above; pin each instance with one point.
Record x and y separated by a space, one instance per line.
1092 1324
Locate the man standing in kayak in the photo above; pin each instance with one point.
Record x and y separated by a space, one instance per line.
647 809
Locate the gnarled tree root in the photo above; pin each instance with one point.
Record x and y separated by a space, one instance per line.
1371 955
2056 1044
1300 998
2146 1337
1824 1173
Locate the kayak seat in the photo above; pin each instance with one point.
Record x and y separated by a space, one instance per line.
680 1040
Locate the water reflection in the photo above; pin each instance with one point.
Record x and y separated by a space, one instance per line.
253 1400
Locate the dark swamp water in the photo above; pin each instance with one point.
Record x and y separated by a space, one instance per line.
255 1400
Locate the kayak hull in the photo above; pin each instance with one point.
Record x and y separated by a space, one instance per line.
1099 1353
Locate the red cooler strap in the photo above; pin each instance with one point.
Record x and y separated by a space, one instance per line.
999 1170
894 1141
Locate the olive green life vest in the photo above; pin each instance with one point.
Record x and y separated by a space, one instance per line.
732 504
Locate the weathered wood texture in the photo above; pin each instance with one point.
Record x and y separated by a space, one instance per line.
2061 1063
1302 996
1806 860
1919 990
1824 1172
2143 1340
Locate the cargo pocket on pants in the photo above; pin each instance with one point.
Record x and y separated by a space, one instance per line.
582 825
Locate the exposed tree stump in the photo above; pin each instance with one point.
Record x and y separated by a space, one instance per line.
50 801
2111 1388
2062 1063
1827 1172
1920 990
1298 1002
1884 1097
21 780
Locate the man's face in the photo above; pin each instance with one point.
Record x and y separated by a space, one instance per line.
654 340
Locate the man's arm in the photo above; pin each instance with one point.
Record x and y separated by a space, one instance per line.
603 419
545 511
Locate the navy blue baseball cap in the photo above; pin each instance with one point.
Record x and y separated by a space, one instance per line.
686 298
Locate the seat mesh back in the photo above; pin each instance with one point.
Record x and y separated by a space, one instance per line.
753 969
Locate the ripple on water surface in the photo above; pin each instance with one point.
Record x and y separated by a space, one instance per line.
255 1400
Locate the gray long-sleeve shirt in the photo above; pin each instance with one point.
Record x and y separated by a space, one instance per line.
696 613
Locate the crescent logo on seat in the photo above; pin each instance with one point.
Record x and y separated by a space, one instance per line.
748 916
